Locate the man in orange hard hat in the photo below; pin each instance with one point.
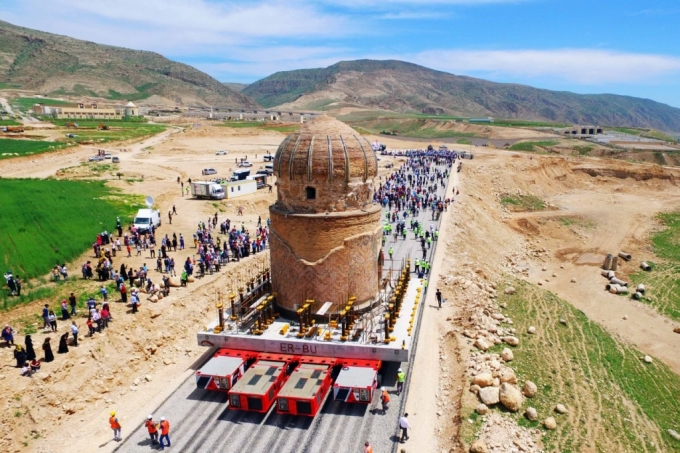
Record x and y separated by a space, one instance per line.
153 429
115 426
165 432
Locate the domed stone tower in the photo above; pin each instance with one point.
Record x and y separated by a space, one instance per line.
325 230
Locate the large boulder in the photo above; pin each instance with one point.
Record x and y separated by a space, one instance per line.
509 290
510 397
530 389
174 282
482 344
531 414
479 446
512 341
483 379
489 395
550 423
507 375
482 409
507 355
561 409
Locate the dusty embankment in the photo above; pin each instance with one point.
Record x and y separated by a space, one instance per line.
593 207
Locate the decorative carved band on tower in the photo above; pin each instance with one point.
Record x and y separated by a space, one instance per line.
325 230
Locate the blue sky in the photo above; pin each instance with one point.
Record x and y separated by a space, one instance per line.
602 46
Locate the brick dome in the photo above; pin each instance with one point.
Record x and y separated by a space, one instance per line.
324 166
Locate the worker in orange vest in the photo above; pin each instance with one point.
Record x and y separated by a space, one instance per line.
115 426
165 432
368 448
385 399
153 429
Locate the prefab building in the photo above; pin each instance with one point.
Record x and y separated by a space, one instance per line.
234 189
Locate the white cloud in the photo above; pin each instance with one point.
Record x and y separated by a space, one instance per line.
582 66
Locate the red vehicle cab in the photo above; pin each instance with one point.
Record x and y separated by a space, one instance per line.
257 389
224 370
357 381
306 388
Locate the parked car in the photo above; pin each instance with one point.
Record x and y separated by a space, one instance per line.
209 171
245 163
96 158
115 159
107 156
268 158
221 153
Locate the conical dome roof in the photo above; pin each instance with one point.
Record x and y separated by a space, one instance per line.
325 149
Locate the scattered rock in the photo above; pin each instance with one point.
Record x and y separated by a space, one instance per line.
136 381
573 279
153 314
625 317
489 395
561 409
563 321
550 423
2 376
153 299
148 378
475 389
647 359
507 375
483 379
530 389
167 361
531 330
676 330
509 290
674 434
479 446
482 409
482 344
510 397
512 341
507 355
554 275
531 414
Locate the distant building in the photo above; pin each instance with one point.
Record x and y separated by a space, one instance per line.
90 111
480 120
234 189
582 130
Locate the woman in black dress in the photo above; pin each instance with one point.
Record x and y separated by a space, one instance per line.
47 347
19 355
63 345
30 352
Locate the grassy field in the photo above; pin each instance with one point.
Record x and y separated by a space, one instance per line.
286 129
617 402
531 146
416 128
9 123
523 202
526 123
119 130
464 141
663 282
25 104
48 221
15 148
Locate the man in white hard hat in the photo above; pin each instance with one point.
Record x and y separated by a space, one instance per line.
164 425
153 429
401 377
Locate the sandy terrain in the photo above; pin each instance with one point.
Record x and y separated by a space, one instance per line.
612 204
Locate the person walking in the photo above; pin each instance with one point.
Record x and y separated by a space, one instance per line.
384 399
390 252
46 317
368 448
115 426
30 352
47 347
152 428
404 426
165 432
439 297
52 319
401 377
74 331
72 302
63 344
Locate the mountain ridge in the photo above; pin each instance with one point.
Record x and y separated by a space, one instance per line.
407 87
56 64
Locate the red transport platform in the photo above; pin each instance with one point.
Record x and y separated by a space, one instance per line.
307 387
224 370
357 381
257 389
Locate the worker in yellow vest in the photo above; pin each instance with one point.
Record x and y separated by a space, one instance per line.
401 377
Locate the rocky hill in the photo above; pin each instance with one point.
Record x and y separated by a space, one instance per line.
61 65
405 87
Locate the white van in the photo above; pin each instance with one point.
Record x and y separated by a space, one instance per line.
209 171
269 168
145 218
